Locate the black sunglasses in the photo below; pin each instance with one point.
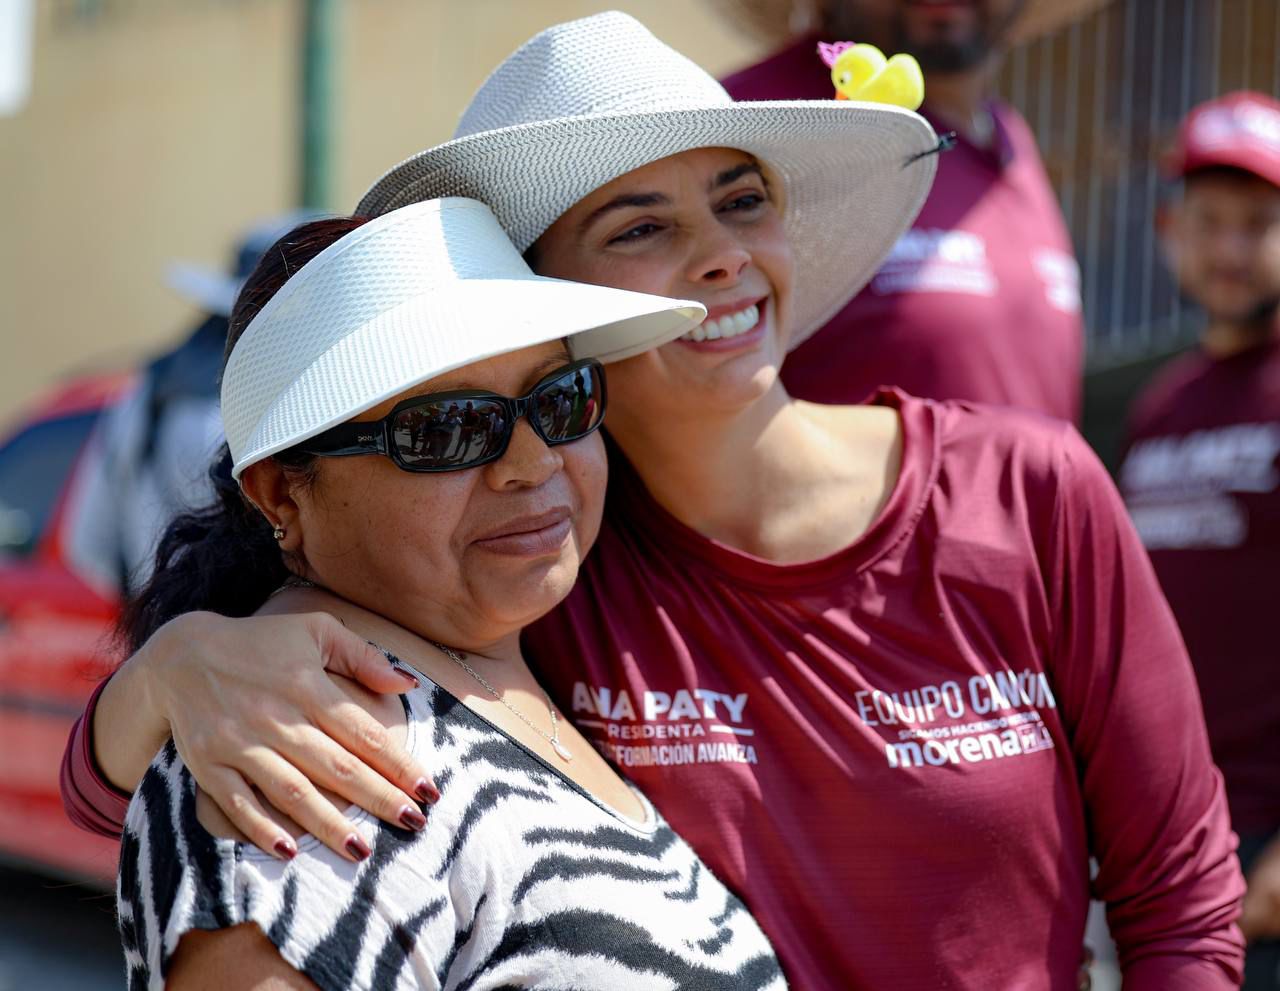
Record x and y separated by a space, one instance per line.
448 431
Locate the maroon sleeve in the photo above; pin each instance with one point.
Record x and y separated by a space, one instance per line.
91 802
1156 808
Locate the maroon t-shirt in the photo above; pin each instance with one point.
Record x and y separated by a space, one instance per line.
980 300
1202 481
902 755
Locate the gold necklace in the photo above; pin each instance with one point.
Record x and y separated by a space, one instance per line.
561 750
293 582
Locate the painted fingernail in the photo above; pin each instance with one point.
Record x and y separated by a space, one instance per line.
285 849
399 669
357 847
426 791
411 818
413 682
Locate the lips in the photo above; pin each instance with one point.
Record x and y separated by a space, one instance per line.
529 536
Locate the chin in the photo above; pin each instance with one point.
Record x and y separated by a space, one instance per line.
518 601
743 386
1231 308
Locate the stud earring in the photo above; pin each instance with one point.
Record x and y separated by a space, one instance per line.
279 532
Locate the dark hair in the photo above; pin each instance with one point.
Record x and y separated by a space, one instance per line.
223 557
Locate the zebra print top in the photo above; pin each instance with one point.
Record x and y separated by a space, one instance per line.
521 880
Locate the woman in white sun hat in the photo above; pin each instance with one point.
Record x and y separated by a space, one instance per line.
404 338
896 670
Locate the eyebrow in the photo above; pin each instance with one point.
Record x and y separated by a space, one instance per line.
551 362
622 202
642 200
736 173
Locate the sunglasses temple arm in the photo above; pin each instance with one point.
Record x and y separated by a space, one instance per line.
348 439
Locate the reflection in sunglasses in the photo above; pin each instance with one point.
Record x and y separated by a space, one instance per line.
457 430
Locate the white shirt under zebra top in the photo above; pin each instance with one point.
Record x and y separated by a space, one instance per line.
521 880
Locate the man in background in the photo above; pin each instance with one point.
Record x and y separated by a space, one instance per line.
980 300
1202 473
148 458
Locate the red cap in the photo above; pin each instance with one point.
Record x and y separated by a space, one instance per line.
1239 130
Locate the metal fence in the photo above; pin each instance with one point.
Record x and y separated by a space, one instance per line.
1104 97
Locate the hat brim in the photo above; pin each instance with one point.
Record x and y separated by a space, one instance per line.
431 335
854 176
1245 160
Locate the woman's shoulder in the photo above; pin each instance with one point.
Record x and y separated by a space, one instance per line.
1004 466
172 874
328 918
971 433
185 869
960 430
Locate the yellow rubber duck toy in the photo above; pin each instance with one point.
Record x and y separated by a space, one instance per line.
861 72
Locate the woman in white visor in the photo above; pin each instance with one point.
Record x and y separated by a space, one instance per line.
411 419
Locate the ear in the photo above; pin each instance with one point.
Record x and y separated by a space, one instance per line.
266 485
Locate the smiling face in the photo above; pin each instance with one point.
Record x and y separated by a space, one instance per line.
700 225
468 557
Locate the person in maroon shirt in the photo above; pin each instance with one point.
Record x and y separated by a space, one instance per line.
896 669
1201 475
980 300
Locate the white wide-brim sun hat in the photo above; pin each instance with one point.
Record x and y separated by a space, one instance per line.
408 296
588 101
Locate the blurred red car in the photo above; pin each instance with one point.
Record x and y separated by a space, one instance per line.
54 629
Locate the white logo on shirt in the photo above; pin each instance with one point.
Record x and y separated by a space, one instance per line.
1009 704
934 260
1179 488
1060 273
1237 458
687 726
1213 522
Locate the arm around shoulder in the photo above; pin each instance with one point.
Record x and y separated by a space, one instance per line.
250 702
90 801
120 731
128 724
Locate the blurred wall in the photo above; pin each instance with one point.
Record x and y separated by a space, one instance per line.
159 129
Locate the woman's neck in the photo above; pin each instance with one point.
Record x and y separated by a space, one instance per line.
783 480
388 633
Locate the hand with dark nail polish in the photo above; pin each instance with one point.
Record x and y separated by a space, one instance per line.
357 847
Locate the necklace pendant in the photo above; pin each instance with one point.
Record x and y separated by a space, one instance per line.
561 750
